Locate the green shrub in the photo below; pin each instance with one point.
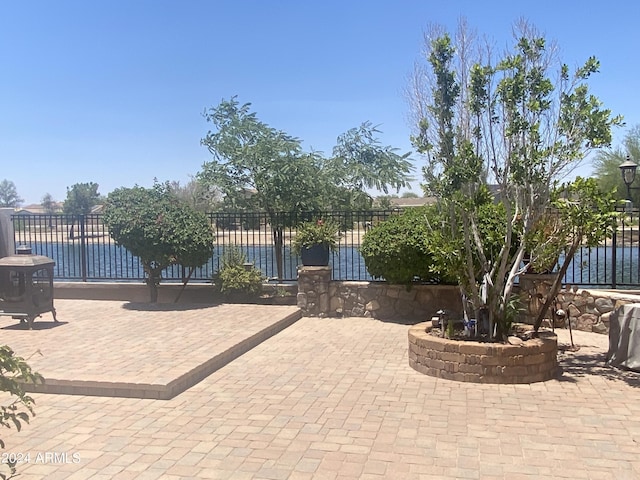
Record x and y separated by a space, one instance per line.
399 249
236 277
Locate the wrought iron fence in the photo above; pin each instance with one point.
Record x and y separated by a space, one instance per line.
83 249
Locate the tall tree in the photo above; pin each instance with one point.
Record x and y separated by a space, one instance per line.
9 195
360 163
504 120
81 198
257 166
199 196
607 166
48 204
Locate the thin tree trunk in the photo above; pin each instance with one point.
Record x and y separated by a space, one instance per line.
278 245
184 284
555 288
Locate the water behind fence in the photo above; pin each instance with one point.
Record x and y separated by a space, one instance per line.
83 250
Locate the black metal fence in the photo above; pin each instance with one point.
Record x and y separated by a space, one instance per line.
83 250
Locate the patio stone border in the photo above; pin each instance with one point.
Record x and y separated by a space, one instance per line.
160 391
531 361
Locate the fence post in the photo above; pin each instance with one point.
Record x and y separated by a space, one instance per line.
614 258
83 247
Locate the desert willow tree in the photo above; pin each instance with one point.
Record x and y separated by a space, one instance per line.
521 122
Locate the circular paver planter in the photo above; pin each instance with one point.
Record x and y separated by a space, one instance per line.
534 360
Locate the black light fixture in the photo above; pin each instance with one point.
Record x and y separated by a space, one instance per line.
628 170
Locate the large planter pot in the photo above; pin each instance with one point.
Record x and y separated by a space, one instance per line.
315 255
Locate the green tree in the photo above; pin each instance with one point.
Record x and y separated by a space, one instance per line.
360 163
384 201
157 227
9 195
259 167
607 166
199 196
81 198
48 204
503 120
18 406
409 194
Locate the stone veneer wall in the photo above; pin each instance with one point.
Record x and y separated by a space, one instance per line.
534 360
588 310
318 296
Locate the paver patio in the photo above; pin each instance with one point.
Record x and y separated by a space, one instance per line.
336 398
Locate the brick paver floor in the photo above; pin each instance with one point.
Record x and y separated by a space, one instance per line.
336 398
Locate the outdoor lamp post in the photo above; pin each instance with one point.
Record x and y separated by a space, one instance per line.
628 170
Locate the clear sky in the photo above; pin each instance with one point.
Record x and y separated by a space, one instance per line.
112 91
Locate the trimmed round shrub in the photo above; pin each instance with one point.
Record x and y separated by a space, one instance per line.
398 250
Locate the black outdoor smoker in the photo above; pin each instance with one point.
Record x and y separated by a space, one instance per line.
26 286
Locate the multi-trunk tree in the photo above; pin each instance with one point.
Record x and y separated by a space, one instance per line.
520 123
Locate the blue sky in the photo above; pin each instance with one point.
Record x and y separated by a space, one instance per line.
112 91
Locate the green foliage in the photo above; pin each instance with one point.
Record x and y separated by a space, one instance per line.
544 242
48 204
194 193
155 226
521 122
607 166
14 372
319 232
361 162
8 194
236 276
513 308
256 166
401 249
587 216
81 197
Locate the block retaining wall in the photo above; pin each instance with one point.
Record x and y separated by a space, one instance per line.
531 361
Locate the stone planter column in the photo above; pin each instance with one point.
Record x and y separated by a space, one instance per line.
313 290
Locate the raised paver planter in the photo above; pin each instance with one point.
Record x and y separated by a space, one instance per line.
477 362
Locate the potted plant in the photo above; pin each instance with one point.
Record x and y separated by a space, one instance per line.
314 240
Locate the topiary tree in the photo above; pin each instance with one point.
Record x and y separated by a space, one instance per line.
161 230
14 372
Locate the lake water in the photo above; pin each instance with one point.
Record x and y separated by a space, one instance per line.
108 262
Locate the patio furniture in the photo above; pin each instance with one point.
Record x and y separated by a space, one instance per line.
624 337
26 286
